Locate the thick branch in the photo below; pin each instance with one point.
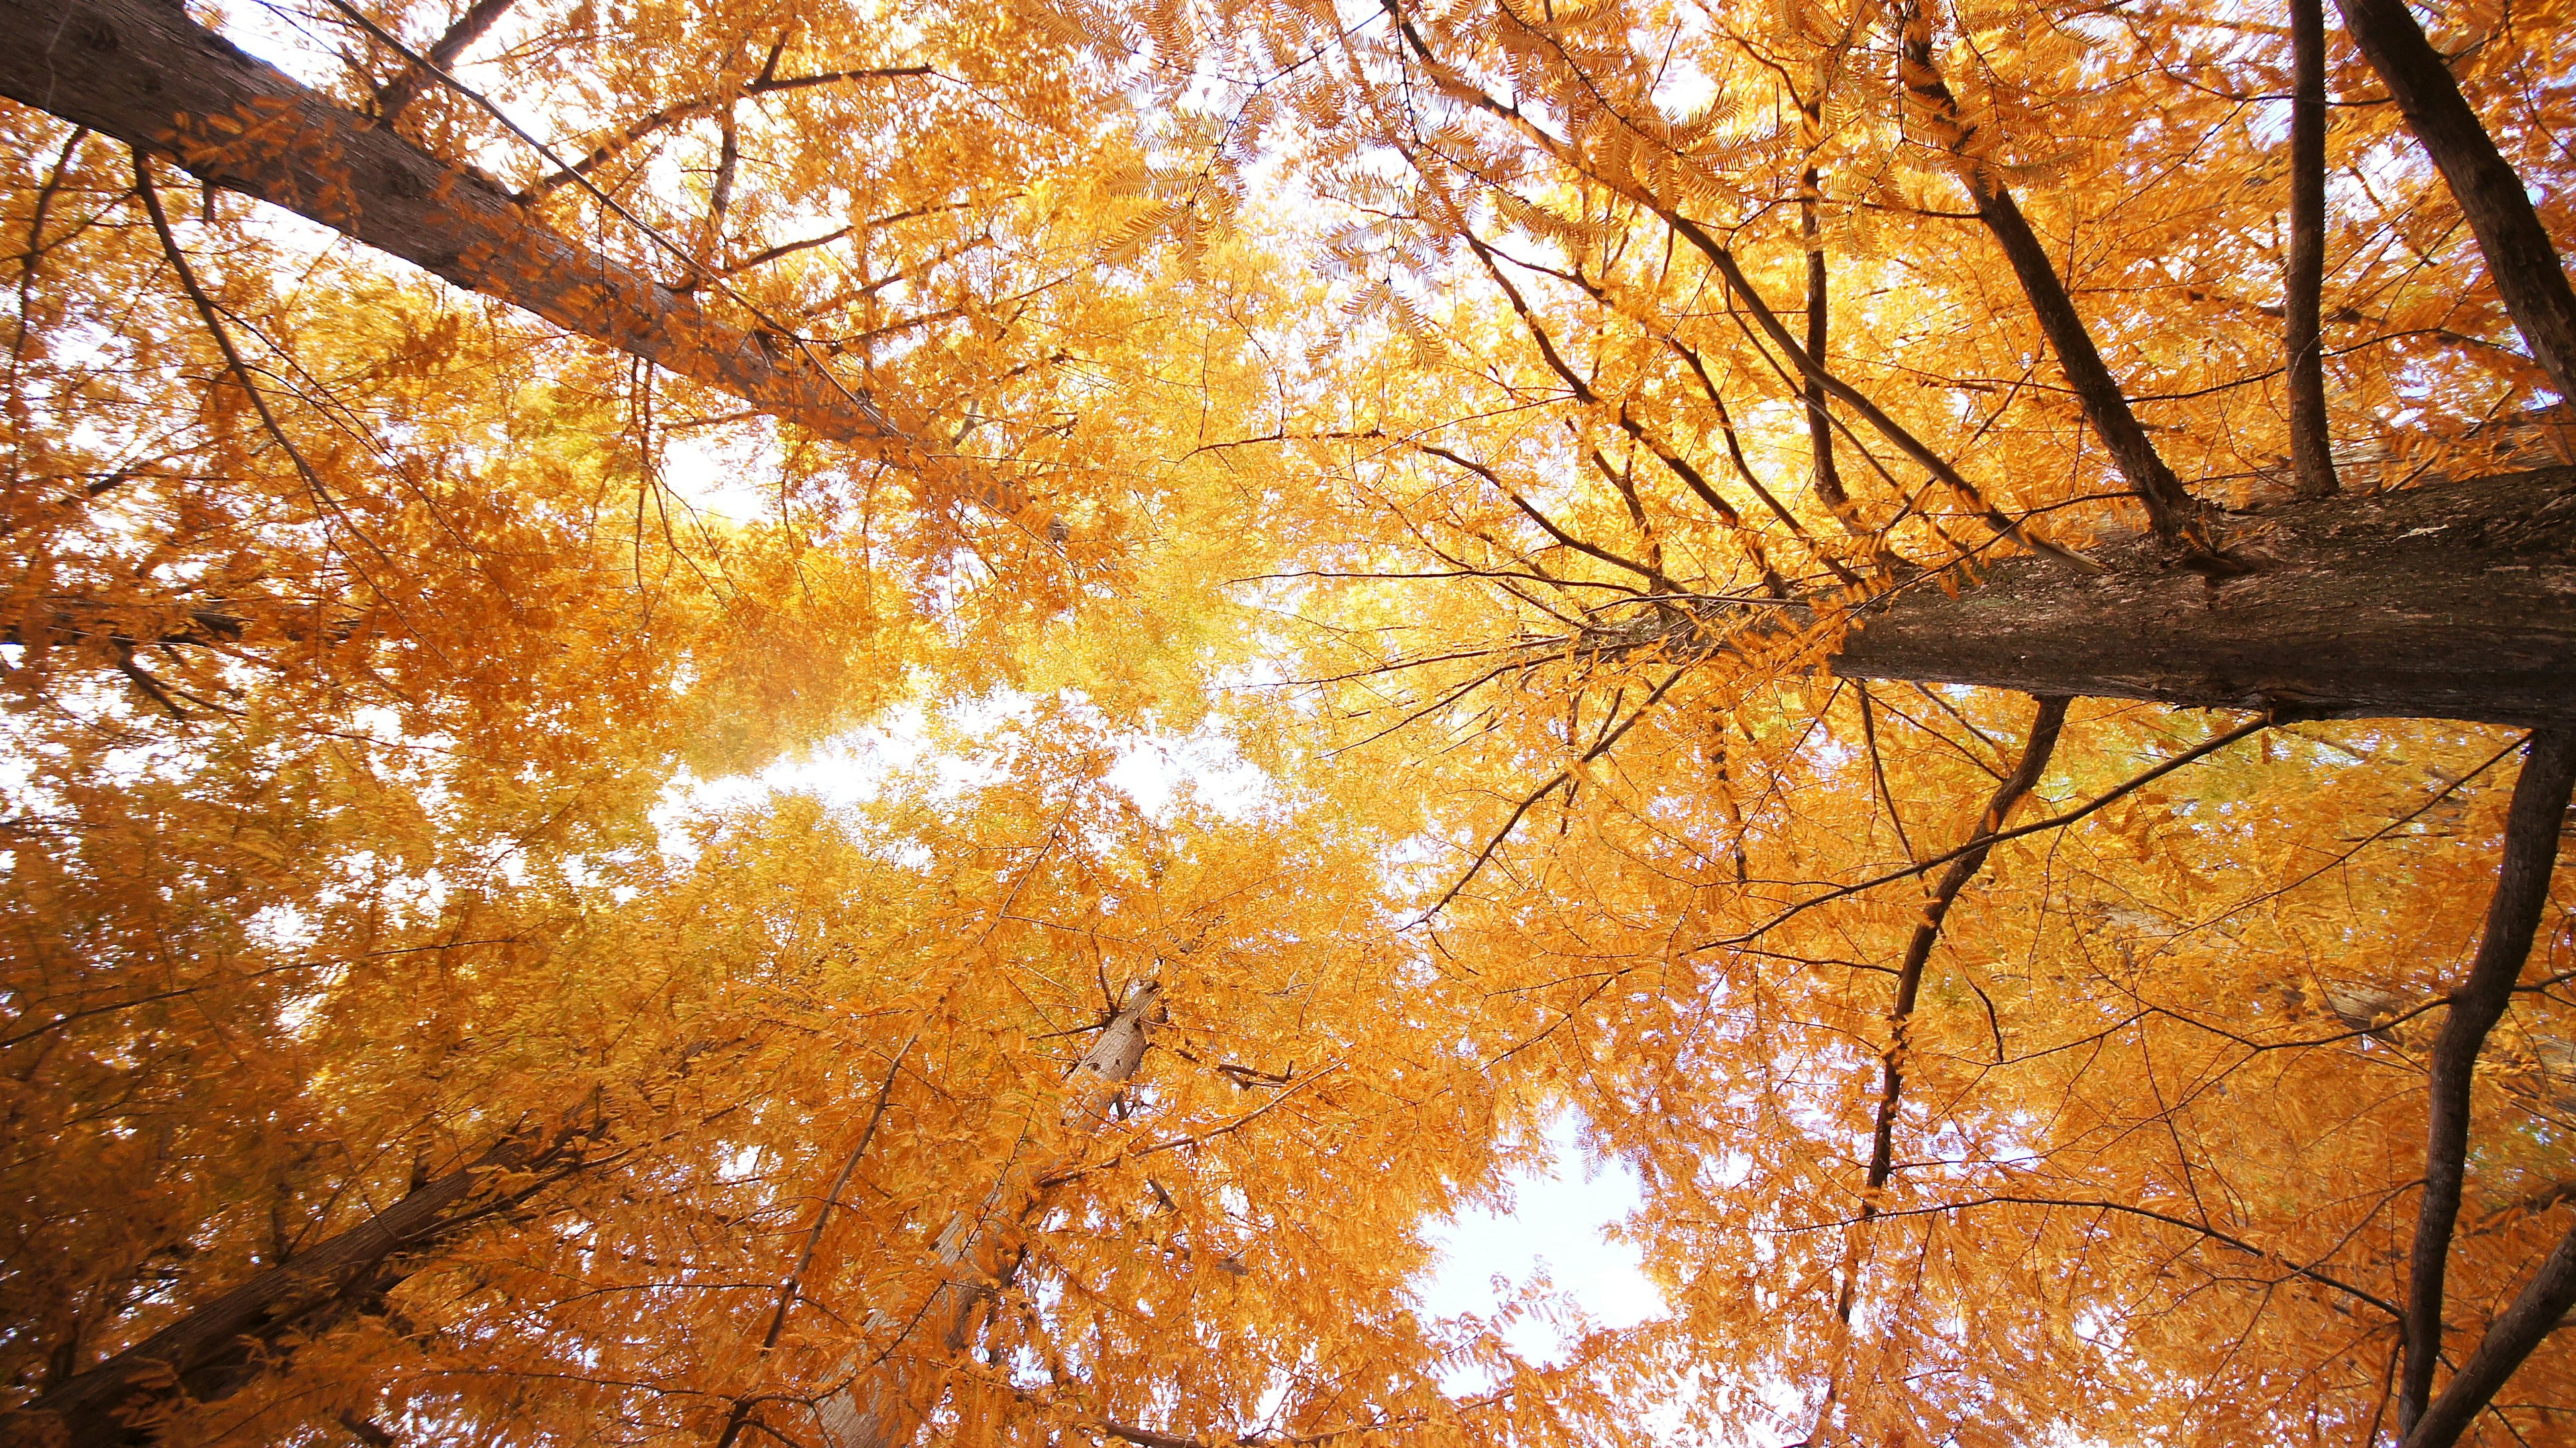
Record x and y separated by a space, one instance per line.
2453 600
2544 1303
220 1345
2513 915
2106 407
2519 255
144 73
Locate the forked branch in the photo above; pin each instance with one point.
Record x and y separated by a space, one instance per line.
2513 916
2537 1312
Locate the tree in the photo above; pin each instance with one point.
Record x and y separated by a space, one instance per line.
2036 252
1923 614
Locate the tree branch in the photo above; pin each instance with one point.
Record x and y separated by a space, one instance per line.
2172 511
2531 830
2537 1312
2311 450
147 75
2520 257
2045 727
795 1280
696 106
218 1345
396 94
1740 286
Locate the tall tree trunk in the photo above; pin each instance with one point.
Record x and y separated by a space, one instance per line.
143 72
2453 600
883 1406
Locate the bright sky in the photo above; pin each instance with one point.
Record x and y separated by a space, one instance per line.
1554 1229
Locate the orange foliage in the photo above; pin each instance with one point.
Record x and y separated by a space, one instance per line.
431 1010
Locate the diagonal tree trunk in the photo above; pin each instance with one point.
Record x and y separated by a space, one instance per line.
882 1405
2520 256
221 1345
142 72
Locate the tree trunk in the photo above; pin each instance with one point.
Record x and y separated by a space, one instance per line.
882 1406
221 1345
142 72
2453 600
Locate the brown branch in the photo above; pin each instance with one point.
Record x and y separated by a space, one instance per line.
795 1279
1740 286
2170 509
2531 831
2520 257
239 123
222 1343
786 249
2538 1311
1584 393
2045 727
323 502
396 94
2311 450
1968 860
207 312
2169 1219
1820 430
2056 821
1608 740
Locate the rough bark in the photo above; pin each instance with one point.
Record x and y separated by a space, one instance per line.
2513 917
142 72
881 1404
2519 255
221 1345
2453 600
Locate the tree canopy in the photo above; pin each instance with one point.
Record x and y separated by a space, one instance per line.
1954 626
